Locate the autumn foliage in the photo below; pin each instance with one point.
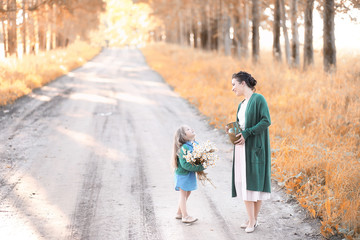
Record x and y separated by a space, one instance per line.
315 131
19 77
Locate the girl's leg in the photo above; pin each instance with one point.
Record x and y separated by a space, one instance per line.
250 208
182 203
257 209
187 196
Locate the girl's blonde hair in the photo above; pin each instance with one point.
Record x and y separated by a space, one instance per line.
179 140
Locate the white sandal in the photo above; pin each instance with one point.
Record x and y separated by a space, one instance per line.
189 219
251 229
244 225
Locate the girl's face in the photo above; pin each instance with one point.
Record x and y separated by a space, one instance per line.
237 88
189 133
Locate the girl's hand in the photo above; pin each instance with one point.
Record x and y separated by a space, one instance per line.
241 140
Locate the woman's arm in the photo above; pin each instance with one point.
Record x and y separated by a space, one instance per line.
188 166
264 116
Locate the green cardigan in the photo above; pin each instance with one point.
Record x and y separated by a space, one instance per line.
257 147
183 166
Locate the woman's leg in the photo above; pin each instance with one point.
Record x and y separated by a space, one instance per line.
257 209
182 203
250 208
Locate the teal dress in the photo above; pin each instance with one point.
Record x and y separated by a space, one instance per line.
185 176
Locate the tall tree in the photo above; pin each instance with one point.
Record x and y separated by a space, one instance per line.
181 24
24 27
3 22
220 27
208 25
238 31
286 37
255 30
226 31
12 35
204 28
295 55
308 38
245 29
329 50
276 31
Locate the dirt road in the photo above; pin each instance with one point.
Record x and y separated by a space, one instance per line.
87 157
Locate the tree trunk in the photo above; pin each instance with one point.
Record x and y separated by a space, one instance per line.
12 36
220 32
25 48
308 38
329 36
227 40
204 29
238 31
255 30
190 29
276 32
53 27
208 26
167 32
245 29
187 30
4 37
48 28
36 45
286 36
295 35
215 28
194 28
181 27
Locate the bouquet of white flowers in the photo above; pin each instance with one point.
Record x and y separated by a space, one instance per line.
202 154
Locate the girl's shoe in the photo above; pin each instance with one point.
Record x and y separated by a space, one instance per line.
178 216
189 219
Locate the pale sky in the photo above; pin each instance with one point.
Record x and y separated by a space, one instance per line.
347 34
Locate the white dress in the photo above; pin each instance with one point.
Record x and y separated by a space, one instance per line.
240 167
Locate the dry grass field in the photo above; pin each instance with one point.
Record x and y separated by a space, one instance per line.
315 131
19 76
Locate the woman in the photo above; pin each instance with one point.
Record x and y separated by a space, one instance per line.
251 160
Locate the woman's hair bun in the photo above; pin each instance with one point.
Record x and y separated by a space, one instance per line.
252 81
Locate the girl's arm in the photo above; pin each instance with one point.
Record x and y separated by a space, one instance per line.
264 122
188 166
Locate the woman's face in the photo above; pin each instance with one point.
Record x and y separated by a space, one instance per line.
189 133
237 88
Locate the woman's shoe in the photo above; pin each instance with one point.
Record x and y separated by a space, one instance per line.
251 229
178 216
189 219
244 225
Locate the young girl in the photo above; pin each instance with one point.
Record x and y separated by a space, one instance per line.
185 177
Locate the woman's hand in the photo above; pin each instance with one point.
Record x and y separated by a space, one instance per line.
227 128
241 140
